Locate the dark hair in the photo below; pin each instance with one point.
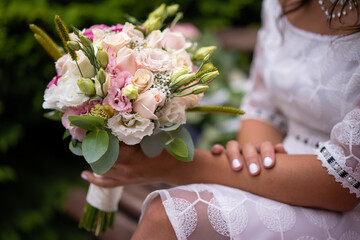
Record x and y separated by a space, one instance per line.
294 6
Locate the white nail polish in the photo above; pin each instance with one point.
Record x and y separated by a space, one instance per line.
253 168
235 163
268 161
83 176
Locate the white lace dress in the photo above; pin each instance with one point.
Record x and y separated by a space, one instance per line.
308 85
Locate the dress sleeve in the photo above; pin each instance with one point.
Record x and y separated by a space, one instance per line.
258 103
341 154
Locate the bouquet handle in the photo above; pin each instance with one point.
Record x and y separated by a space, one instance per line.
101 206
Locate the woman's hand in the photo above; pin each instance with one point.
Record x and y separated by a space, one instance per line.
249 154
134 167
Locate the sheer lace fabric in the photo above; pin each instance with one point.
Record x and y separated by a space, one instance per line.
307 85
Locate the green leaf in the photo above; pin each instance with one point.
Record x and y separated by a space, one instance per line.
151 145
217 109
94 145
180 133
66 134
178 147
86 122
75 147
109 158
171 128
53 115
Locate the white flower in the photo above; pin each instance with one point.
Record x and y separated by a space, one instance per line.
65 65
173 112
130 128
65 94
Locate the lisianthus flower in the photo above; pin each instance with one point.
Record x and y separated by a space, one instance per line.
88 32
114 95
54 81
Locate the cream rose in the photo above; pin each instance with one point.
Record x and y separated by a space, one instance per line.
63 95
154 39
181 59
173 112
147 102
130 30
173 41
154 59
116 41
143 79
130 128
126 60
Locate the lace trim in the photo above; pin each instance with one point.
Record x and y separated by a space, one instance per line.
272 118
334 168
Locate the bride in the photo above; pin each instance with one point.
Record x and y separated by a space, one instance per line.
306 95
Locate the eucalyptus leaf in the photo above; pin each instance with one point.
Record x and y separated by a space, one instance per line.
171 128
170 141
86 122
75 147
151 146
102 165
182 134
53 115
94 145
178 147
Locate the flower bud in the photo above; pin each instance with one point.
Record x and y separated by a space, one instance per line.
108 110
183 80
86 86
208 77
85 40
199 89
177 73
73 45
101 76
207 66
158 12
130 91
201 53
102 57
172 9
152 24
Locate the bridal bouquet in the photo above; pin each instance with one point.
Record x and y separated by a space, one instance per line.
131 83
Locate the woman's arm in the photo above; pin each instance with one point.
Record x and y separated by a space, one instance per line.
296 179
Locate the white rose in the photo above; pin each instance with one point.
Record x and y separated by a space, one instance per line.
173 112
130 30
130 128
154 59
143 79
154 39
181 59
116 41
63 95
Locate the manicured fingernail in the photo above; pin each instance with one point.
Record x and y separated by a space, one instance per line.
268 161
83 176
236 163
253 168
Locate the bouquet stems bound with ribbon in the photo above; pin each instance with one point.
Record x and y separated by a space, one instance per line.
131 83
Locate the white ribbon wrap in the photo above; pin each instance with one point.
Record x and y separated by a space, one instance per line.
105 199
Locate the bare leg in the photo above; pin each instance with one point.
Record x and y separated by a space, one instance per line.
155 224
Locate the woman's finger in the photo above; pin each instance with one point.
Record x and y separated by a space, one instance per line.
279 148
99 180
251 157
233 155
267 154
217 149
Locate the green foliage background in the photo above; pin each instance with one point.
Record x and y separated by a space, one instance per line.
36 167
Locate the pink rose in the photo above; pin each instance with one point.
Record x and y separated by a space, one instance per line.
126 60
76 132
114 95
88 32
116 41
130 30
187 29
154 39
173 40
156 60
147 102
181 59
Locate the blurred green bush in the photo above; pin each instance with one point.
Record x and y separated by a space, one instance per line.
36 168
